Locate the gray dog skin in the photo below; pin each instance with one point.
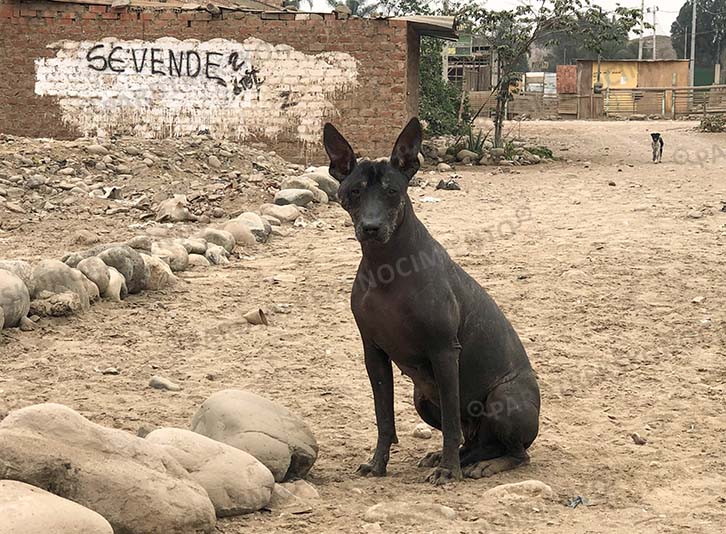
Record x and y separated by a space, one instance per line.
417 308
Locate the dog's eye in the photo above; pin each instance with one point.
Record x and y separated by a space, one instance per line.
392 192
354 193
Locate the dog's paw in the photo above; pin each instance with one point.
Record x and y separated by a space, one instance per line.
432 459
371 469
441 476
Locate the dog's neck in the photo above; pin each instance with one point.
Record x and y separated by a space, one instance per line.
405 241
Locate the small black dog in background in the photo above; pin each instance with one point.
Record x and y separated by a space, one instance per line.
657 145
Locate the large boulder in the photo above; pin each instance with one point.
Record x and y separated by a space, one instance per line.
14 299
242 234
193 245
25 509
74 258
287 213
218 237
259 227
21 269
269 432
197 260
130 264
303 182
173 254
160 274
216 255
55 277
117 290
136 485
142 243
235 481
294 197
96 271
321 176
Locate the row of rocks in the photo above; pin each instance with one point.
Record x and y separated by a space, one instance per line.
444 152
241 455
114 270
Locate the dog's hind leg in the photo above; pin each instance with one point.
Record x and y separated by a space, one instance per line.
511 425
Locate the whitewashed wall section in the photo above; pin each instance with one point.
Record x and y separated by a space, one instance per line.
170 87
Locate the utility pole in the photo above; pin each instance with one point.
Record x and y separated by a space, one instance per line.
655 30
642 29
692 70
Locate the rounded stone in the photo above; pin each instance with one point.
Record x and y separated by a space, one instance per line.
30 510
160 274
295 197
269 432
130 264
218 237
242 234
174 254
14 299
55 277
96 271
117 290
136 485
235 481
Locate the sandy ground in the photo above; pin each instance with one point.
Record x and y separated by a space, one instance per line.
599 279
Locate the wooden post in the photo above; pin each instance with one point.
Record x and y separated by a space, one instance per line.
673 104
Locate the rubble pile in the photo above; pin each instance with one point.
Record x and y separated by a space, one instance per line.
130 175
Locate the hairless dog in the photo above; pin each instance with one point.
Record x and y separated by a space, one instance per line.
415 307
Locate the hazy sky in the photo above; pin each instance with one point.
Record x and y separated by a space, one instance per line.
668 9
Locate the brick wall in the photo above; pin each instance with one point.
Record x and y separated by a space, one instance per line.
365 81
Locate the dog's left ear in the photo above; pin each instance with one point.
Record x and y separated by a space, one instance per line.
342 157
408 145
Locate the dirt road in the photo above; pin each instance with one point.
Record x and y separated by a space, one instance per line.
611 269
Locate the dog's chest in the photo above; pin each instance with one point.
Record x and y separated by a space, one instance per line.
391 321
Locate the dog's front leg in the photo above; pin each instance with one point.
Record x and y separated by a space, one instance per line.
380 373
446 373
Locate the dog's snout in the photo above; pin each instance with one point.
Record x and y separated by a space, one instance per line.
371 228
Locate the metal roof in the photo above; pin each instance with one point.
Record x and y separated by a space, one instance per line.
441 27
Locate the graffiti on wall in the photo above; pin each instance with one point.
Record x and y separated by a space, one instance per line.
170 87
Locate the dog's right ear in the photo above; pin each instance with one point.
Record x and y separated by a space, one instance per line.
342 157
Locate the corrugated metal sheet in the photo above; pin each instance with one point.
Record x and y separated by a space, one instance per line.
441 27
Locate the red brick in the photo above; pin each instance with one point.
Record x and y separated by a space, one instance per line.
372 113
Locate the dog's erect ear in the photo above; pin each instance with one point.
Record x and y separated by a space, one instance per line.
342 157
408 145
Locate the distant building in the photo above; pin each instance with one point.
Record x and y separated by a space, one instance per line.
469 63
631 73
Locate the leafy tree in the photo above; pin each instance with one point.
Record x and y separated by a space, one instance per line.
297 4
357 8
513 32
564 47
440 101
710 32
